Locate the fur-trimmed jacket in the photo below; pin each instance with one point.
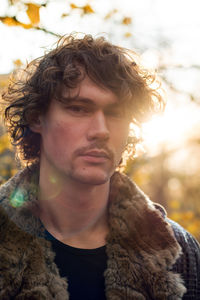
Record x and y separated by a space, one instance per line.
149 256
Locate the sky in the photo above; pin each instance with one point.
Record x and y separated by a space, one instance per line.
164 32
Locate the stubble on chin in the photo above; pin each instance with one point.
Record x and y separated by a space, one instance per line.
91 175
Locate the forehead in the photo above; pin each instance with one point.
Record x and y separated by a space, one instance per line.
89 90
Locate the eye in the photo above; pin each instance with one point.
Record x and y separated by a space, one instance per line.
75 108
79 109
116 112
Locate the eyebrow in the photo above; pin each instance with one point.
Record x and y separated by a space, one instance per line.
81 99
86 100
77 99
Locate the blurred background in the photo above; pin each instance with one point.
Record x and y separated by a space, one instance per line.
167 36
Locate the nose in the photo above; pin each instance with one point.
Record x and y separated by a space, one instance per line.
98 129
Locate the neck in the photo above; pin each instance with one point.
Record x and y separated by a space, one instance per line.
72 212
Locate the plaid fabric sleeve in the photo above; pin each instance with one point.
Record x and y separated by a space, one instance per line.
188 265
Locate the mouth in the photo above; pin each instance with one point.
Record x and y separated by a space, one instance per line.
96 156
96 153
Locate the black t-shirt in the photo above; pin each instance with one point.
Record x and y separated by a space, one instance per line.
83 268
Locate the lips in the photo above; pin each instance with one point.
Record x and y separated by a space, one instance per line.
96 153
96 156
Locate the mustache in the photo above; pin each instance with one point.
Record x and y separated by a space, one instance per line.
96 145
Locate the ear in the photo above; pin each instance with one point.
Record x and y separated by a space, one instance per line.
36 126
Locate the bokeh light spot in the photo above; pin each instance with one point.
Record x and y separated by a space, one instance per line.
17 198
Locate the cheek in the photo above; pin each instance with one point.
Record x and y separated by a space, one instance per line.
54 135
62 136
121 135
56 130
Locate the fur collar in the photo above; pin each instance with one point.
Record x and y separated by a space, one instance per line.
141 247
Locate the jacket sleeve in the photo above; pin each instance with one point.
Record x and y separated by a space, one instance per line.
188 265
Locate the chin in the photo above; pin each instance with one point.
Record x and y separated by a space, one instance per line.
93 178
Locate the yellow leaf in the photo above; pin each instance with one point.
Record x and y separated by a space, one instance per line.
9 21
13 22
87 9
26 26
126 21
73 5
18 63
110 14
64 15
33 13
128 34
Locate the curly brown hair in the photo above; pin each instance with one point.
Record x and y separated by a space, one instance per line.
108 65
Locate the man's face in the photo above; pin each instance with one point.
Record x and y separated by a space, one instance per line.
83 138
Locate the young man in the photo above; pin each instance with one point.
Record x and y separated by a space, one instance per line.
71 226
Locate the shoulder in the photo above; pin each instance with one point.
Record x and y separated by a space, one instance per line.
188 264
185 238
190 246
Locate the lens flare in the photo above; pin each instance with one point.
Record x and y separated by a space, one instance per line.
17 198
